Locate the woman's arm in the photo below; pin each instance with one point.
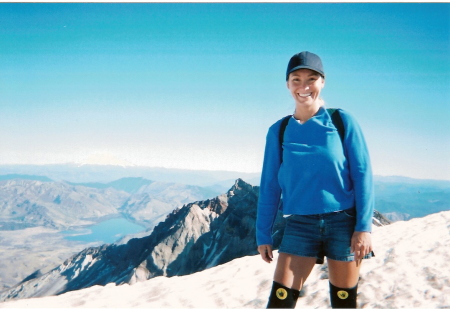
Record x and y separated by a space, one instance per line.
360 172
270 190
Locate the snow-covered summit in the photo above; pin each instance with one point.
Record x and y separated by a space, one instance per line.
410 270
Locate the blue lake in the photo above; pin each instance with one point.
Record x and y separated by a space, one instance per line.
106 231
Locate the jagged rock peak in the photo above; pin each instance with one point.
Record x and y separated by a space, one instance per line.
220 203
240 186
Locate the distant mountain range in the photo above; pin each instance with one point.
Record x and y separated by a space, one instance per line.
29 201
108 173
195 237
402 198
399 198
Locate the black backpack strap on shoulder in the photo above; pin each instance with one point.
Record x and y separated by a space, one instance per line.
337 121
283 126
284 123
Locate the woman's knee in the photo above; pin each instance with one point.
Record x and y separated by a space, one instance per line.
292 271
343 274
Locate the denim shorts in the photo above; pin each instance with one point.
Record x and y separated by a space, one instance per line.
321 235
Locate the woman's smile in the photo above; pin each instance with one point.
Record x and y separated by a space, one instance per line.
305 86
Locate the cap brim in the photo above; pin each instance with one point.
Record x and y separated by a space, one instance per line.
305 67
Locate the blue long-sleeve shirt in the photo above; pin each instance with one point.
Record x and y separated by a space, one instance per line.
315 175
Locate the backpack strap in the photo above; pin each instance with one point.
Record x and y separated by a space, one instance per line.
337 121
284 123
335 118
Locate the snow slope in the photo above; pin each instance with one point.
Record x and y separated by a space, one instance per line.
410 270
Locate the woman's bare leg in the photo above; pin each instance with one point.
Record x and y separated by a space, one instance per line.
343 274
292 271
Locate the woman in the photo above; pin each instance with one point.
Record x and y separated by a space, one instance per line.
327 190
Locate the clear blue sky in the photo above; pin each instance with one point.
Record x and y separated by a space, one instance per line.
197 85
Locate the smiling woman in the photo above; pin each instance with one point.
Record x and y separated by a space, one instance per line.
325 180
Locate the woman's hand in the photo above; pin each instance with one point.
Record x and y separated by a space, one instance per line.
361 245
266 253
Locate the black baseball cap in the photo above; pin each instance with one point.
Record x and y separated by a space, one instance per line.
305 60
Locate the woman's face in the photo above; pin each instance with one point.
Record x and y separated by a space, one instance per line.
305 86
